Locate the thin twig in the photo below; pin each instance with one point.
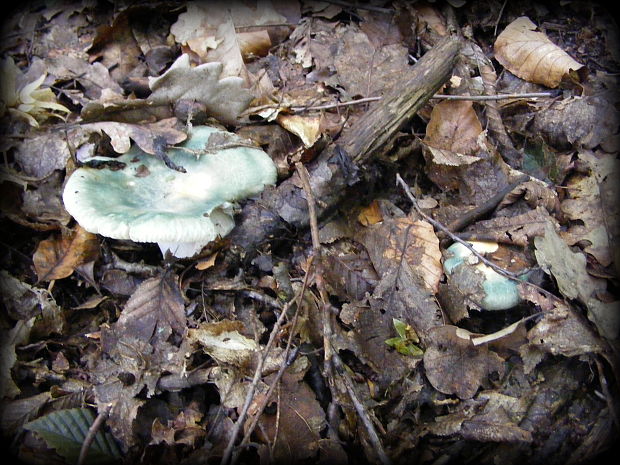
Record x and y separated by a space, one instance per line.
226 458
482 98
263 402
475 98
92 432
456 238
450 234
253 385
332 359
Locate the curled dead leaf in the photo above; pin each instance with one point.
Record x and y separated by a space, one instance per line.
58 257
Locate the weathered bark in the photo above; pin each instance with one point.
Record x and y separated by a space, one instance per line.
332 172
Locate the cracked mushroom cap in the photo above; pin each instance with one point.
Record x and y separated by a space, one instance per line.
146 201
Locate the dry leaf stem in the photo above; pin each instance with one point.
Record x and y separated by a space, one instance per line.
228 456
92 432
486 207
333 361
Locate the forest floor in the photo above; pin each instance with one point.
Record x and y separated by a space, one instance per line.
423 269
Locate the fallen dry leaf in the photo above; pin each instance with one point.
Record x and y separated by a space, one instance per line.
408 240
371 214
454 126
569 270
455 366
517 229
57 257
307 128
299 424
350 275
154 311
224 98
595 219
222 341
143 135
531 55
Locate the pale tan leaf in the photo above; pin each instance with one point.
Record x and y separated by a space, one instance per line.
574 282
143 135
307 128
592 204
370 214
408 240
222 341
530 55
454 126
448 158
224 97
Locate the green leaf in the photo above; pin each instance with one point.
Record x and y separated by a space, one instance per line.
401 328
65 431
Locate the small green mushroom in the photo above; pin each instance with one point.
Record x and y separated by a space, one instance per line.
139 198
478 282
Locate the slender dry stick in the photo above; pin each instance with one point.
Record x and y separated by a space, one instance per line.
267 396
332 359
92 432
474 98
250 394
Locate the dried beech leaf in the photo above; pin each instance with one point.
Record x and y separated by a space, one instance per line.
222 341
562 332
57 257
455 366
307 128
517 230
449 158
154 310
351 275
530 55
535 194
454 126
300 423
371 214
408 240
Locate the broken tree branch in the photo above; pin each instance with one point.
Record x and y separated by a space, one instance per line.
333 171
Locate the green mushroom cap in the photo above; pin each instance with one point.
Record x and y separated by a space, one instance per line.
496 292
146 201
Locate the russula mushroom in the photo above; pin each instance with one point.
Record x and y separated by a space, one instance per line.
136 196
484 286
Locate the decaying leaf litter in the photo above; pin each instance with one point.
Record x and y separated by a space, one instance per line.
336 322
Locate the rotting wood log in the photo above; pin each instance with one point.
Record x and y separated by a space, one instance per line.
283 208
